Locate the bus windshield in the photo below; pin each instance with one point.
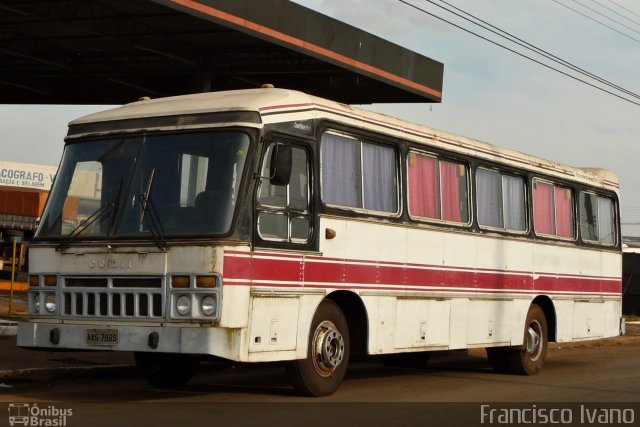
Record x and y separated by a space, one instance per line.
188 183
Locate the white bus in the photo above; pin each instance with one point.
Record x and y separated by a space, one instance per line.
270 225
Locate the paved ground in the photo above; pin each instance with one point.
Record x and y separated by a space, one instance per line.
376 395
13 358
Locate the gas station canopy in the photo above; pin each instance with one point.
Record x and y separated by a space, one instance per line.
115 51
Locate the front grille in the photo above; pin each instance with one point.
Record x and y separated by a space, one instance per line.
116 298
86 282
135 282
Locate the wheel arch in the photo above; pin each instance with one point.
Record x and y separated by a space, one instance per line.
549 309
357 320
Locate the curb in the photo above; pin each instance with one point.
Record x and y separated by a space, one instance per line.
57 373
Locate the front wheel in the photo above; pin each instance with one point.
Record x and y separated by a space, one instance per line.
529 358
321 373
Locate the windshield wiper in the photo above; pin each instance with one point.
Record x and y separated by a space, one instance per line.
95 216
99 213
153 221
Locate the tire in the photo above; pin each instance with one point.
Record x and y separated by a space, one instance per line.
415 360
321 373
166 370
529 358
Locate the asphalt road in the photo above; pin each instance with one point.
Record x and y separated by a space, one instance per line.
583 375
609 373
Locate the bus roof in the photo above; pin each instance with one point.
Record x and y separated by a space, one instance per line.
278 105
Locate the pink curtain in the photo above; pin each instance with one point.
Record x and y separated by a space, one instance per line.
450 177
543 213
564 212
423 186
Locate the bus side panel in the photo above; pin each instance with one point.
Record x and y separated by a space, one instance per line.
612 267
588 318
564 319
479 287
489 322
459 323
235 306
371 242
382 323
422 323
612 314
279 327
274 323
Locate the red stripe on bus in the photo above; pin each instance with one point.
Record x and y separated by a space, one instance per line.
518 282
416 277
301 272
322 273
327 260
432 289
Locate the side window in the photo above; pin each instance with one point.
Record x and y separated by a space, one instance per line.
283 210
358 174
553 213
501 200
437 188
597 219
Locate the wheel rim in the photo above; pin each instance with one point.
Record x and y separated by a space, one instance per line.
328 347
534 340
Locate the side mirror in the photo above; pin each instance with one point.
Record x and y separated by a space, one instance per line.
280 167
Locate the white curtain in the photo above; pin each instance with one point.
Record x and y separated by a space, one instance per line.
340 174
489 196
605 220
379 177
514 205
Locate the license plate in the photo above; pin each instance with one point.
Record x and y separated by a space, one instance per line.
102 336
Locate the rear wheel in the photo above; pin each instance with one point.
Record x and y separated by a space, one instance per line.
321 373
529 358
166 369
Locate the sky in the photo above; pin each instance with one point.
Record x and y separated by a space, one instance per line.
489 93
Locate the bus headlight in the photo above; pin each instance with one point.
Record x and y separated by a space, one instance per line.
195 297
183 305
50 303
36 302
208 305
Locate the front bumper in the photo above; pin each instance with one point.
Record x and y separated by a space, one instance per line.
221 342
